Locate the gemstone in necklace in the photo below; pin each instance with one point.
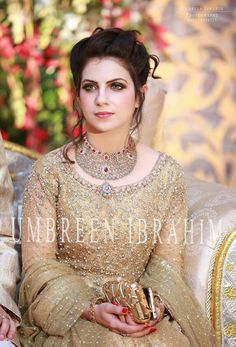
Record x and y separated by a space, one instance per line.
107 166
105 169
106 189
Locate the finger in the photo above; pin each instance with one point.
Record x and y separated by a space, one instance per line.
118 310
12 330
123 319
155 321
4 328
130 320
129 335
116 324
115 331
145 332
151 323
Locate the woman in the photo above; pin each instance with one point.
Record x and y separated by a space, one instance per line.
106 206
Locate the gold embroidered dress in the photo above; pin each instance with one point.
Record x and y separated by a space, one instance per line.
78 235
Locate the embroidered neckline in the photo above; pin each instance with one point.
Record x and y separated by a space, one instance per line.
116 189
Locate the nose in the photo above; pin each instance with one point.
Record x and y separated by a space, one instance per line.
101 98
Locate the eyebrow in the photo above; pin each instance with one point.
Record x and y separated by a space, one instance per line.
114 79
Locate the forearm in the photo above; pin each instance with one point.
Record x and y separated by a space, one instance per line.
56 296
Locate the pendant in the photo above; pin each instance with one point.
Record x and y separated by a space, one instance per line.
106 190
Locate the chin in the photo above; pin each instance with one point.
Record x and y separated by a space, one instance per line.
104 130
101 128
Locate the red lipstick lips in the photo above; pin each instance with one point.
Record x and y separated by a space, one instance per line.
103 114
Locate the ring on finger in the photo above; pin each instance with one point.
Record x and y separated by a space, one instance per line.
123 334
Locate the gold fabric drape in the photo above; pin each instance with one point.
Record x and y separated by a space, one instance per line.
64 268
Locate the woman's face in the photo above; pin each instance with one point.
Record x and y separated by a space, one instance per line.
107 87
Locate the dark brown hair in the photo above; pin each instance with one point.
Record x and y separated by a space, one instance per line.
123 45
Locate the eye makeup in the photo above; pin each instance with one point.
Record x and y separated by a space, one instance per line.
114 85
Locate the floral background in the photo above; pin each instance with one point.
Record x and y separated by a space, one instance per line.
36 91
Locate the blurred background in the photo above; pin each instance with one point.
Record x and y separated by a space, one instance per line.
196 43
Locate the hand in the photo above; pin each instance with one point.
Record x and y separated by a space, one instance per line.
150 325
7 325
109 316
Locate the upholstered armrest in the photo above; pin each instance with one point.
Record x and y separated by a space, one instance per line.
210 261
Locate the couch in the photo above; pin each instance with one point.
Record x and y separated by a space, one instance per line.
210 252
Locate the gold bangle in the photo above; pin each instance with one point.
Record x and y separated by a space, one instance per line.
160 305
91 312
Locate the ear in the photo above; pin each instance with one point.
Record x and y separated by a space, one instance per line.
143 90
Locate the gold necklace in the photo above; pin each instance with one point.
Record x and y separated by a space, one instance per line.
104 165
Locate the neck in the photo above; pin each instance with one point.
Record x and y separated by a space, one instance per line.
104 142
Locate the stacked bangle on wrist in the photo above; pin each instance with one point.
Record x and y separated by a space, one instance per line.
159 303
91 312
91 309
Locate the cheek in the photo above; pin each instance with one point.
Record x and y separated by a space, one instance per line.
127 99
85 100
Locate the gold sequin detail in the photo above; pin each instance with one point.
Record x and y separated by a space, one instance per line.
230 293
229 267
230 330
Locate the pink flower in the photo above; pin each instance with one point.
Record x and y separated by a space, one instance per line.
76 132
6 48
39 59
23 50
4 30
58 82
14 68
49 51
28 47
36 138
30 113
40 134
28 70
71 120
30 102
52 63
29 121
158 32
4 135
123 19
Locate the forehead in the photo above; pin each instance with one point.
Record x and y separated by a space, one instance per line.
105 68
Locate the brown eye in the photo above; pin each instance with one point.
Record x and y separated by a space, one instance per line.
88 87
117 86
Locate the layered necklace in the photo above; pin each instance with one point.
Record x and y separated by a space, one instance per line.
104 165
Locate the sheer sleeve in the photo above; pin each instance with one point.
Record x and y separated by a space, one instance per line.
172 235
39 215
52 295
